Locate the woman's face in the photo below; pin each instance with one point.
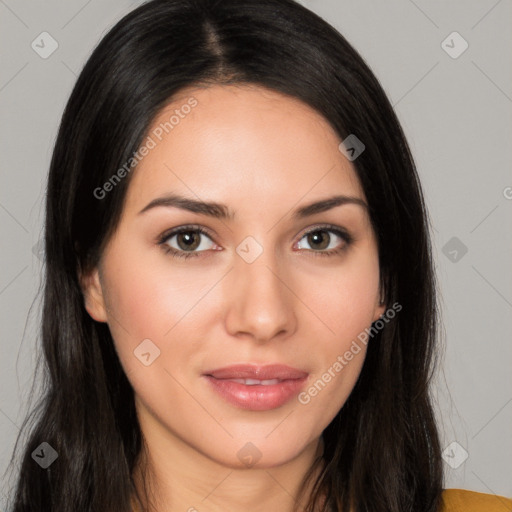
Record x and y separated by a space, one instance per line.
271 281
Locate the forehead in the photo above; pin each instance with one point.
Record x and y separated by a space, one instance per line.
241 145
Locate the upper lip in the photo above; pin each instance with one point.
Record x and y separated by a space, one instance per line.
251 371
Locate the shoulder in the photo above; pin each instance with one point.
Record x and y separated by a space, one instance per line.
460 500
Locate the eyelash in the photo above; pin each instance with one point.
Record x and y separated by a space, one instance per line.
164 238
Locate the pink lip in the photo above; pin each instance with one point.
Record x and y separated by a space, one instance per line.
250 371
257 397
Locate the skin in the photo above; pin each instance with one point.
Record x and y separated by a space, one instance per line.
263 155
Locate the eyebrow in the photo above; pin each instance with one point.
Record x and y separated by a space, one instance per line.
221 211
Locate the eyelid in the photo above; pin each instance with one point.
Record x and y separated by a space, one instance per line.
180 229
326 227
206 231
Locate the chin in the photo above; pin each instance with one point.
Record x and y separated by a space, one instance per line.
251 452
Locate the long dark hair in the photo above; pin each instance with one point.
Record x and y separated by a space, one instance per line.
382 450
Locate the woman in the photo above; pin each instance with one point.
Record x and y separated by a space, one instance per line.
239 306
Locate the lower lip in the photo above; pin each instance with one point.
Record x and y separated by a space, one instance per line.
257 397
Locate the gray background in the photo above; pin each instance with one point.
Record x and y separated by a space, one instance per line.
456 113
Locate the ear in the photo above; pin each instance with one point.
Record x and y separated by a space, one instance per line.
380 306
93 295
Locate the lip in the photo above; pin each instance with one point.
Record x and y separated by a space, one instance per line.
257 397
253 371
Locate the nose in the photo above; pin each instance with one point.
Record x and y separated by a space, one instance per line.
260 300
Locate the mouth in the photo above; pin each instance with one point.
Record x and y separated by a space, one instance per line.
256 382
257 388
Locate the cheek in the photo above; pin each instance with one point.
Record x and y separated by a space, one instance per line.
346 309
328 391
147 296
343 299
339 356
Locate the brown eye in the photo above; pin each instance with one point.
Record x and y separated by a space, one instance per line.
326 241
184 241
